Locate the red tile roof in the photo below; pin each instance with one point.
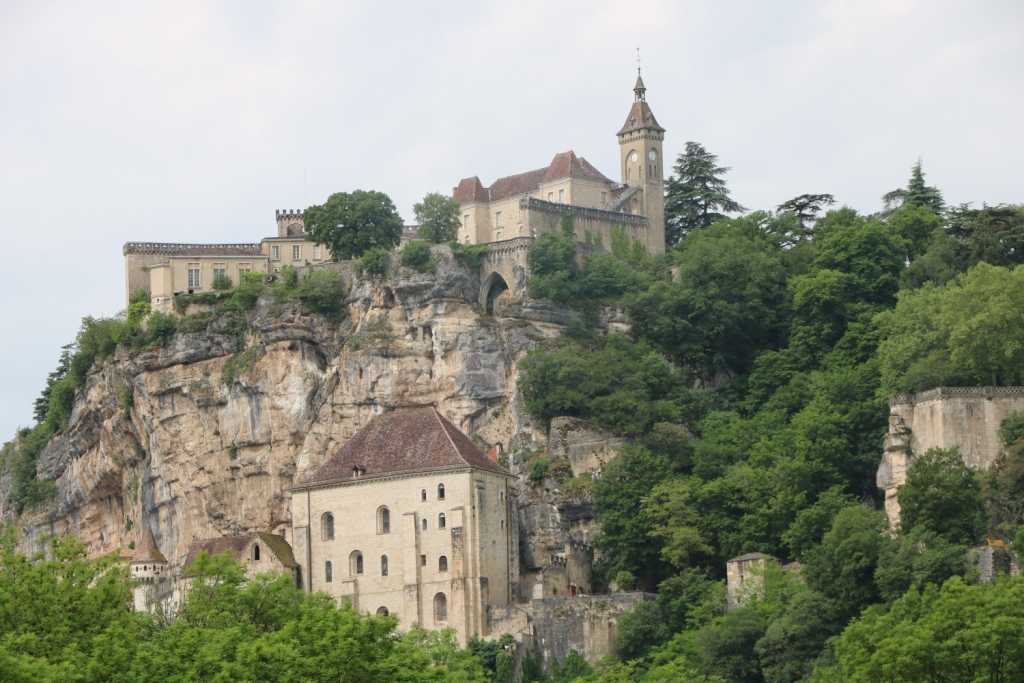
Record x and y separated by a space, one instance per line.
405 442
640 116
564 165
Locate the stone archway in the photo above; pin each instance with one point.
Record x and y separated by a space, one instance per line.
494 287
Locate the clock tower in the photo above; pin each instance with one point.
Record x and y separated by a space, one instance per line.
643 166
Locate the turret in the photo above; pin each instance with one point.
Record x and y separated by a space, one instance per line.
148 567
289 223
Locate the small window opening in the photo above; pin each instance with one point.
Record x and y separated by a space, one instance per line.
423 560
256 553
440 608
440 491
383 521
383 565
327 527
442 564
356 563
440 521
328 572
424 524
382 612
423 494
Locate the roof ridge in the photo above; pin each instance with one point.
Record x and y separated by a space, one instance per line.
440 422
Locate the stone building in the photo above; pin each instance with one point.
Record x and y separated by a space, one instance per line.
148 568
991 560
165 270
744 577
967 418
410 517
260 552
532 203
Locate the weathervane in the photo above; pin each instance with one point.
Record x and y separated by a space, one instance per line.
638 58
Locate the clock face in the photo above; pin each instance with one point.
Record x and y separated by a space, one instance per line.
634 157
652 155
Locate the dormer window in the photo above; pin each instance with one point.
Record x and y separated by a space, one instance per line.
357 472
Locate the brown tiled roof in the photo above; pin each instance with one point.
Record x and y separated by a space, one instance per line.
236 545
406 442
147 550
470 190
640 116
564 165
639 83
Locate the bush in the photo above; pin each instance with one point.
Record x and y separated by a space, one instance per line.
625 580
416 255
470 255
1012 428
289 277
222 283
321 292
375 261
139 296
161 327
250 288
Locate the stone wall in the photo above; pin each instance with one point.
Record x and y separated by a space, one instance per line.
964 417
587 624
543 217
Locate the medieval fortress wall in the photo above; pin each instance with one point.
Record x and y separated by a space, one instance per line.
964 417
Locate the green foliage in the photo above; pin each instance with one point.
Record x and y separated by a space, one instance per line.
351 223
567 223
375 261
843 566
696 196
943 495
416 255
161 327
916 559
27 490
195 322
915 194
222 283
572 668
625 581
794 640
470 255
139 296
965 333
182 302
639 630
438 217
812 523
619 243
232 452
957 634
725 647
127 401
321 291
1011 429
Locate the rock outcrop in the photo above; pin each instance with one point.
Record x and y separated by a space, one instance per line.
204 452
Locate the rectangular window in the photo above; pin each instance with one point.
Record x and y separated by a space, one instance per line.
220 270
275 253
561 196
423 560
244 268
551 196
296 252
193 276
316 253
497 218
604 199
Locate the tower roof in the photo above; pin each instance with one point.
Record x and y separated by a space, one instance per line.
639 88
640 114
564 165
147 550
407 442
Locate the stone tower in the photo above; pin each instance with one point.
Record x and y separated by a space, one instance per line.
149 569
289 223
643 166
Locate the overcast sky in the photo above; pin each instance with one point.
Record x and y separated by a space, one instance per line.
193 121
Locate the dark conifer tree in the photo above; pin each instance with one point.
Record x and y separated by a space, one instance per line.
696 196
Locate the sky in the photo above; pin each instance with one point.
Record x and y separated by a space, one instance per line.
193 121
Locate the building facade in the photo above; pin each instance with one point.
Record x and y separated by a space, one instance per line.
522 205
165 270
411 518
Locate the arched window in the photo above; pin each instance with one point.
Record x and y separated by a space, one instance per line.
440 491
440 608
502 525
256 553
383 520
423 494
440 521
382 611
424 524
383 565
355 563
442 564
327 527
328 572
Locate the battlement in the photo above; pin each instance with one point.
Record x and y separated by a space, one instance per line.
288 214
938 392
182 249
290 222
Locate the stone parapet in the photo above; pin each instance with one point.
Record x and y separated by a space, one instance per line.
185 249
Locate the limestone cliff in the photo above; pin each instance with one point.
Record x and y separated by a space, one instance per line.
202 453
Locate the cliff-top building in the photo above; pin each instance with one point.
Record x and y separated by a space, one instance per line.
532 203
411 517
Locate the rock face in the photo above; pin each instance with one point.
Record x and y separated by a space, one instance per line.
206 453
967 418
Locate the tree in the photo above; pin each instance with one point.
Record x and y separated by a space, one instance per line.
670 506
805 210
438 216
726 646
794 640
350 223
696 196
916 194
956 634
916 559
943 495
843 566
639 630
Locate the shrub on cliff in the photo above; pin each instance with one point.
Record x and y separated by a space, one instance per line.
375 261
416 255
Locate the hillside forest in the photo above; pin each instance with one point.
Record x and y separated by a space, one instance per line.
753 397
